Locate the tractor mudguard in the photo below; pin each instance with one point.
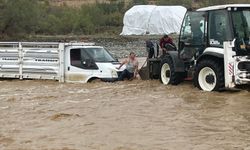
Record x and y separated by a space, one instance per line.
207 54
178 63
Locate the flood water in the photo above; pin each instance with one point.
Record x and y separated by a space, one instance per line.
129 115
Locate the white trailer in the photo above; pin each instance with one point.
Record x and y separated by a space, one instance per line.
65 62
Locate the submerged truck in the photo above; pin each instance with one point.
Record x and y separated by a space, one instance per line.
65 62
213 49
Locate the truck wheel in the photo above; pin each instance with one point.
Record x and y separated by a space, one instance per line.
168 75
209 75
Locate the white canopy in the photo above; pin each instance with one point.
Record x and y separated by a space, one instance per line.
154 20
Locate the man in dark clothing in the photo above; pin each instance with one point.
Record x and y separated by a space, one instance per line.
167 44
150 48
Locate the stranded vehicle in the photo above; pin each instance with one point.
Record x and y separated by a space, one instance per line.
213 49
65 62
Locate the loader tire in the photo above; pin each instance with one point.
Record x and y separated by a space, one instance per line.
168 74
209 75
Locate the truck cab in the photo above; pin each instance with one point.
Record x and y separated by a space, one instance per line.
86 63
213 46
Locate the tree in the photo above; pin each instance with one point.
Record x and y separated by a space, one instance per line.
19 16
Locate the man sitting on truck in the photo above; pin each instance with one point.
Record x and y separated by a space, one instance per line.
167 44
131 68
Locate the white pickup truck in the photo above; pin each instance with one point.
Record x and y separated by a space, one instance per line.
65 62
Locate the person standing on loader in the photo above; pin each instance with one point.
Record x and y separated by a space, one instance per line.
167 44
150 48
131 68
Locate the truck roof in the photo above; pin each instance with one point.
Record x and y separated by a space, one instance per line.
217 7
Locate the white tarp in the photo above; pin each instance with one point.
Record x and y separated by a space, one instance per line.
154 20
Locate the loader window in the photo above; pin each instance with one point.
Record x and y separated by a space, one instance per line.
241 28
219 29
193 29
193 35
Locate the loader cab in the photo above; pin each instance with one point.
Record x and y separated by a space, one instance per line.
210 27
203 29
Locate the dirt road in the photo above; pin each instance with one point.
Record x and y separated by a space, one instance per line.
129 115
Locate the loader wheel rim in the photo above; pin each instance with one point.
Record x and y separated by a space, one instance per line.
165 73
207 79
210 79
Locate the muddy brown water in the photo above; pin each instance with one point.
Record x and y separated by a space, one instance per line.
129 115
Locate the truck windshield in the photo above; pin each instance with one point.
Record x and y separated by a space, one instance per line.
241 26
99 54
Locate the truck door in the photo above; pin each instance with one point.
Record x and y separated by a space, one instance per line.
193 35
80 67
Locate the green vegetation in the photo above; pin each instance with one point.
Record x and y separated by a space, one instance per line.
37 17
22 17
